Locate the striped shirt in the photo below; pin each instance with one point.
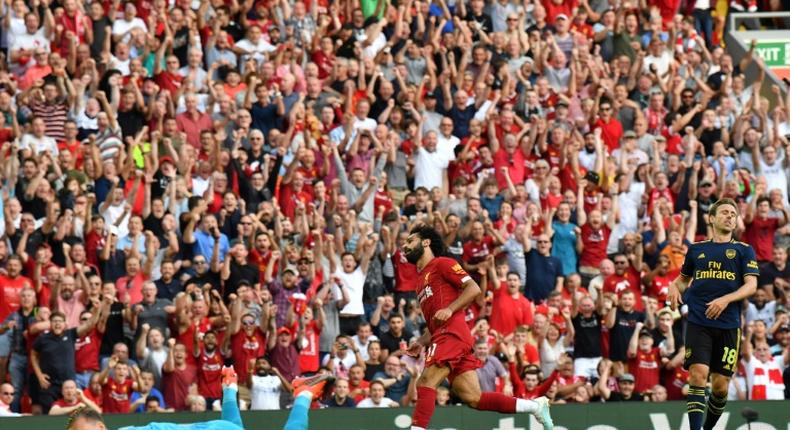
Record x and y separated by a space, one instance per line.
54 116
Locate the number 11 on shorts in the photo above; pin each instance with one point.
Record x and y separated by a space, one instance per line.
429 353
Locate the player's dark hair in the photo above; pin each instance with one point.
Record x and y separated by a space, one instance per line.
86 414
430 233
721 202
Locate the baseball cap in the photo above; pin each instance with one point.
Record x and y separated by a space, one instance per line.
283 330
561 16
645 332
166 159
290 268
626 377
630 134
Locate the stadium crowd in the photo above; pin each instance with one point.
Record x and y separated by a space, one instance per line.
195 183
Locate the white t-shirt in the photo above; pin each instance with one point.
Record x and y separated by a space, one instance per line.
112 214
765 377
386 402
363 348
429 168
122 26
29 41
446 145
40 144
265 394
354 282
256 50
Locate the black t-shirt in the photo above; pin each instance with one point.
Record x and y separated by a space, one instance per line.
247 272
167 290
455 249
154 224
99 35
620 334
131 121
209 277
390 342
587 341
56 355
769 273
113 332
372 369
347 403
617 396
35 205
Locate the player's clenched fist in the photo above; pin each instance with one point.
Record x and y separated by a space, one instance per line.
443 315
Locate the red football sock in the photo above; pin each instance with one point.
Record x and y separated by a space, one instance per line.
497 402
423 410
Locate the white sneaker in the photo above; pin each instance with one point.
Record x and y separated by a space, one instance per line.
542 414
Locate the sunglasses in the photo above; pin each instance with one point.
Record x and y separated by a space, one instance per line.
200 262
7 393
248 322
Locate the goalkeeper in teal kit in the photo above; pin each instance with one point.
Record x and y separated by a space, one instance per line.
717 275
304 391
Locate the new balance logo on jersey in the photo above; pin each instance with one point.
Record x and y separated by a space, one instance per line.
424 294
701 256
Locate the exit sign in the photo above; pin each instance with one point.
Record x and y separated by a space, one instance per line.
775 53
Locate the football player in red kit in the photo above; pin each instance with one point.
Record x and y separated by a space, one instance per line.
444 290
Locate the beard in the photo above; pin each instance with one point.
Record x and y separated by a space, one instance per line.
262 372
414 255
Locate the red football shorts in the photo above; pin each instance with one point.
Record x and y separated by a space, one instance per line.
451 352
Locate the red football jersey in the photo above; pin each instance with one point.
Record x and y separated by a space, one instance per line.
116 396
210 374
308 355
246 348
646 367
440 283
86 354
629 281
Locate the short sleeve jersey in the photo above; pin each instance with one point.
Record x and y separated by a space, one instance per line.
439 284
717 269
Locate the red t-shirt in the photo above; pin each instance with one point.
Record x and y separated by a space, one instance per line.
169 81
61 403
674 380
116 396
760 234
10 289
405 273
507 312
187 338
646 368
246 348
308 355
595 241
210 374
133 286
628 281
515 164
611 132
86 353
659 289
477 251
363 385
175 386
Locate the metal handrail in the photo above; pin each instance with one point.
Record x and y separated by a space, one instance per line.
754 15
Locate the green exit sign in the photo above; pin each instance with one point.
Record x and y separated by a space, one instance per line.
775 53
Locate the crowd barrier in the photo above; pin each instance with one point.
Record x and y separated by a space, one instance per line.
773 415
